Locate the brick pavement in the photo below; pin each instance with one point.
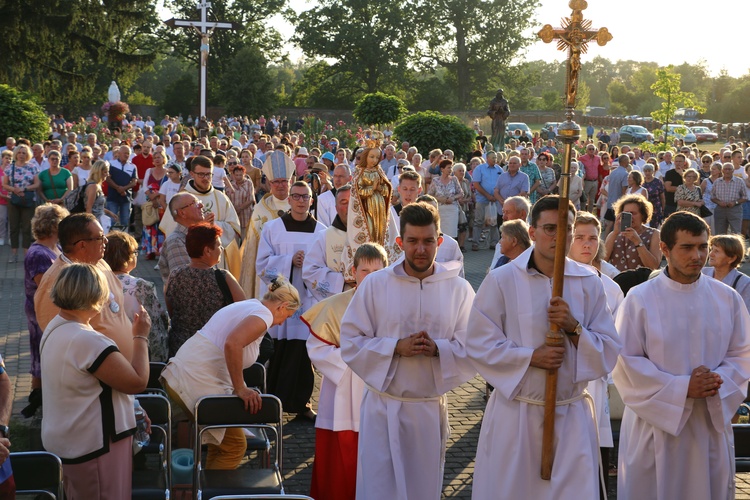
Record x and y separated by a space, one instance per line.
465 406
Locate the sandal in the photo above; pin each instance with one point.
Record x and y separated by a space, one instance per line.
474 247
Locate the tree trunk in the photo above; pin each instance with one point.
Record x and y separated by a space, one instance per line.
462 66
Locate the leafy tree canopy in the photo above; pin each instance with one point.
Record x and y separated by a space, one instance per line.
428 130
69 50
379 108
21 115
370 43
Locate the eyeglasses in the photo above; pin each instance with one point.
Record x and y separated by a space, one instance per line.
232 164
101 238
551 229
203 175
298 197
705 161
194 202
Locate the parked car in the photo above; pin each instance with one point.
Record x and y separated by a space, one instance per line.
704 134
511 128
678 131
635 134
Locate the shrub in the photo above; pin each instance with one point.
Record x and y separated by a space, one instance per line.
379 109
21 116
429 130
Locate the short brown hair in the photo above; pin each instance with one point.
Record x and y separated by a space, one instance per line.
733 245
119 250
73 229
419 214
370 252
200 236
644 206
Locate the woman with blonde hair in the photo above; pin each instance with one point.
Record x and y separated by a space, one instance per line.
212 361
94 200
21 180
88 411
42 253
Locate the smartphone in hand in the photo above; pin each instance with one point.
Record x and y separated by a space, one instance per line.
626 220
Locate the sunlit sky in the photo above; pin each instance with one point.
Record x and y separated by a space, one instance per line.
662 31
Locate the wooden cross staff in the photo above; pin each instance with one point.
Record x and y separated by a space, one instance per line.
574 37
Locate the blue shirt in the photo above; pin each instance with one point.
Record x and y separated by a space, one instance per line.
487 177
618 179
121 175
511 185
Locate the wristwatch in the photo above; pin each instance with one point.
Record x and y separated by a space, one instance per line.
576 331
639 245
5 431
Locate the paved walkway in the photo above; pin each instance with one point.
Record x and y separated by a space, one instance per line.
466 404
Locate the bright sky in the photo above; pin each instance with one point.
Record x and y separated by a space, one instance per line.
643 30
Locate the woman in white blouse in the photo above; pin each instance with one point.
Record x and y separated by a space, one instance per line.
88 414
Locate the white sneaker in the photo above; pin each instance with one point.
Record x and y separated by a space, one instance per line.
156 267
2 242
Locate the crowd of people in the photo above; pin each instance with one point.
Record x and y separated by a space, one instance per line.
296 254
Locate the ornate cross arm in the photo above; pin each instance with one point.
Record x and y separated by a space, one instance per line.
574 36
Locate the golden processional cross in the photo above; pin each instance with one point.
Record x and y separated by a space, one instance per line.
573 36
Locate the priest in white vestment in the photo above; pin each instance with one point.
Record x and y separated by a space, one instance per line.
326 208
509 322
281 252
278 169
323 269
682 375
404 334
337 424
584 249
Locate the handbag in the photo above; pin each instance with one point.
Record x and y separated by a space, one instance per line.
221 280
704 210
149 214
28 199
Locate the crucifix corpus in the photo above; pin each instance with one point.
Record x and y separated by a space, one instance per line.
573 36
205 29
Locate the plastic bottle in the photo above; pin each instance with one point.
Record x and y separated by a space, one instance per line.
141 437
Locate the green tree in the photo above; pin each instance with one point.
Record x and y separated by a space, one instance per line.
428 130
69 50
667 88
379 109
552 101
246 85
473 39
369 42
251 16
180 95
21 115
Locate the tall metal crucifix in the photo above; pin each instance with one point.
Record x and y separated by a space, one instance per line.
573 36
205 29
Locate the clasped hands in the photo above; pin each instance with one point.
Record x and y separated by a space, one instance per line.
549 357
415 344
703 383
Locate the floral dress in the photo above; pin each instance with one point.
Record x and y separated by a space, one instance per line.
532 171
138 292
153 239
194 296
655 189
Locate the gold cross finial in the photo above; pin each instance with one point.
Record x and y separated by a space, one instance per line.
574 36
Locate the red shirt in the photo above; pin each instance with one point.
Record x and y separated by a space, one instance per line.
142 163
